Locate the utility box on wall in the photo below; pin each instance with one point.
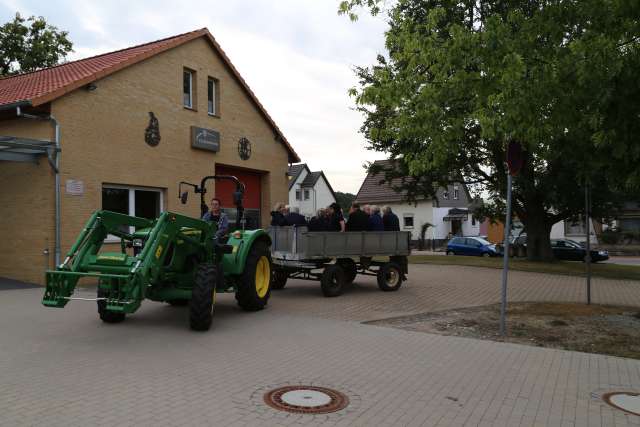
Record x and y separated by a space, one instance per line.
205 139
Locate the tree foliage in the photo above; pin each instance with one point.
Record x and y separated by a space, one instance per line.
345 200
463 78
28 44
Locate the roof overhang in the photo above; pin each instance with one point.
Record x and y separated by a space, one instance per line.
15 149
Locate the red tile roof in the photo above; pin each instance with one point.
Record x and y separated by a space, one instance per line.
42 86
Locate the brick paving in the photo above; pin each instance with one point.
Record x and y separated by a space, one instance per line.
66 368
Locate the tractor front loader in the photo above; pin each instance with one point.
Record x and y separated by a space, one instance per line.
174 259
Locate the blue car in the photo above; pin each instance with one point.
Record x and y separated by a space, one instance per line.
471 246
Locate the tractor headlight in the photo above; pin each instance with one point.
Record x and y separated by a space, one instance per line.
237 234
137 243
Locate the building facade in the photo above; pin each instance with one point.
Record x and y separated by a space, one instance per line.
133 124
309 191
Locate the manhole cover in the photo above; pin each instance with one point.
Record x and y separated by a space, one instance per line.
302 399
624 400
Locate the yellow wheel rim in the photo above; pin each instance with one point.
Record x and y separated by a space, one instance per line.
263 275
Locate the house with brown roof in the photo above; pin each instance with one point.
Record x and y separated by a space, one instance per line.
119 131
448 212
309 191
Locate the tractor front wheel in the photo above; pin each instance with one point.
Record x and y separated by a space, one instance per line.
254 287
203 297
107 316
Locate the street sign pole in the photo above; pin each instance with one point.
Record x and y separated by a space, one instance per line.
505 264
588 230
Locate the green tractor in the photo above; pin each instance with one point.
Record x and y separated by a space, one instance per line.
174 259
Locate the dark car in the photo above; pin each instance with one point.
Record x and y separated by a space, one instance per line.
471 246
568 250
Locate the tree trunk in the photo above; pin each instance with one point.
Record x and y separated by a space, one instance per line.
538 239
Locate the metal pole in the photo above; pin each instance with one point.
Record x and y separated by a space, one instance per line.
505 264
588 229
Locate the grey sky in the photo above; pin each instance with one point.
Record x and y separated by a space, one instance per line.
297 55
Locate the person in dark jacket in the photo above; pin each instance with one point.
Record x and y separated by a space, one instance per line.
390 220
318 222
336 218
277 215
294 217
358 219
375 219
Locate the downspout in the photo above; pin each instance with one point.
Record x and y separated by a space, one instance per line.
55 164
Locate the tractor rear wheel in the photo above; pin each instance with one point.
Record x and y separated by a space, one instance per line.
203 297
254 287
107 316
390 277
279 279
332 281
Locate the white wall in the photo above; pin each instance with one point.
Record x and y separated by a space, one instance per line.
422 213
292 192
322 195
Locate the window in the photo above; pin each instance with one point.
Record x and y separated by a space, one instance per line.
456 193
445 195
212 96
306 194
298 195
187 88
140 202
408 221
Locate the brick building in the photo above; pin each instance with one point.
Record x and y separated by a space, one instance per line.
132 124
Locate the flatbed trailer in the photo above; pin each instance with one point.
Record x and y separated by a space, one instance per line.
335 259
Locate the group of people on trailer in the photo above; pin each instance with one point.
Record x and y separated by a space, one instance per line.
331 218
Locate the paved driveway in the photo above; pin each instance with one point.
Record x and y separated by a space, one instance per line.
66 368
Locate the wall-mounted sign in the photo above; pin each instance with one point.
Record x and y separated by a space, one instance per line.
152 132
205 139
74 187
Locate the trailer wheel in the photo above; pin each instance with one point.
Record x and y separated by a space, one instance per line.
350 269
279 279
107 316
254 287
203 297
389 277
332 281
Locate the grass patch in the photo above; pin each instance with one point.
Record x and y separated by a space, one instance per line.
608 271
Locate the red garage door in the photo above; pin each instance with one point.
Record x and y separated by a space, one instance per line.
252 195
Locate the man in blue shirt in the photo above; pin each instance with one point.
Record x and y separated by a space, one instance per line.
375 220
216 215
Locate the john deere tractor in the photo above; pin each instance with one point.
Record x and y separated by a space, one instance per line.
174 259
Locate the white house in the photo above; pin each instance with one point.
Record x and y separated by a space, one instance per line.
448 212
309 191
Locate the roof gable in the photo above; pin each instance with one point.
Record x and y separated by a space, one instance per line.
295 171
373 190
43 86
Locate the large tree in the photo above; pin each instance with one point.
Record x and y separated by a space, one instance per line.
462 79
30 44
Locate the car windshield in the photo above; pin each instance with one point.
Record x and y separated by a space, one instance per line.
572 244
482 241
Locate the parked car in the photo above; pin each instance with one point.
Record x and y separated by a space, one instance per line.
569 250
471 246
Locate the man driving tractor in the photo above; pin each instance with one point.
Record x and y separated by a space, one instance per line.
216 215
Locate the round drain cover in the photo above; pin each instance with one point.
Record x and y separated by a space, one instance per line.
624 400
306 399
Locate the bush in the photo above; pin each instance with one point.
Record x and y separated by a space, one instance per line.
610 237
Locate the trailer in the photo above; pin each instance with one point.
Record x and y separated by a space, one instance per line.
335 259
